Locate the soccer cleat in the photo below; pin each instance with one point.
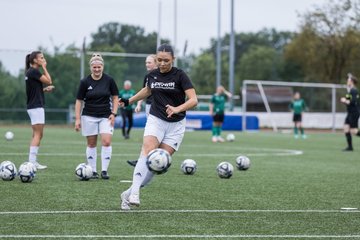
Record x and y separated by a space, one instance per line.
214 139
39 166
348 149
134 199
104 175
132 162
95 175
304 136
220 139
125 205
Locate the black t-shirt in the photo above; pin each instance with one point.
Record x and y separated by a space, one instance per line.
353 96
34 89
168 88
97 95
149 99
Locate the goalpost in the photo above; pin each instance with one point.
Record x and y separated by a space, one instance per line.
260 83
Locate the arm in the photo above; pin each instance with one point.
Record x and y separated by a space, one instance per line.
190 103
138 106
78 104
227 93
45 78
143 93
211 108
115 105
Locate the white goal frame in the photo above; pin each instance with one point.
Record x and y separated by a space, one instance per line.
261 83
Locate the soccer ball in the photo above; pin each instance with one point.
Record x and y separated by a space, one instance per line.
26 172
225 170
9 135
83 171
7 171
188 166
230 137
242 162
158 161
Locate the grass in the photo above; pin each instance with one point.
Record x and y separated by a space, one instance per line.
282 195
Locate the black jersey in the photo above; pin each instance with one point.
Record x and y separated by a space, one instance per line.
353 97
97 95
149 99
34 89
168 88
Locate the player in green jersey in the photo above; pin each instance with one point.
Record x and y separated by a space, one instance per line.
217 111
298 106
127 112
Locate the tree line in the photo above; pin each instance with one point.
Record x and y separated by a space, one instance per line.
324 49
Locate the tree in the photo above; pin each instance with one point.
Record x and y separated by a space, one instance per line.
327 46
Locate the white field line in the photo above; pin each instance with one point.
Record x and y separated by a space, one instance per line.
181 236
183 211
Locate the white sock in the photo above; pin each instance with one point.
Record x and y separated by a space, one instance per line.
33 153
147 178
105 157
140 172
91 157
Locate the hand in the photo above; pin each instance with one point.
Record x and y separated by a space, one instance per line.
77 125
112 119
343 100
123 102
43 63
170 110
49 88
138 109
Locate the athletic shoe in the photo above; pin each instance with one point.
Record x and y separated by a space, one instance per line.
95 175
134 199
132 162
348 149
39 166
296 136
220 139
104 175
304 136
214 139
125 205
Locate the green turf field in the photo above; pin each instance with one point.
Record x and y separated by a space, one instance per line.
294 189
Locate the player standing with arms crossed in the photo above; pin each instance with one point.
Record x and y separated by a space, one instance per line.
298 106
36 100
173 94
99 93
351 100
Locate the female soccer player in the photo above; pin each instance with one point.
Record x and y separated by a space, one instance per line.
298 106
165 126
35 100
99 93
127 112
351 100
217 111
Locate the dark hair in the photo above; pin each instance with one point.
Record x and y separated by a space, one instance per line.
166 48
29 59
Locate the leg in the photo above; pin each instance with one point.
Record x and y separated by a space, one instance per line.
130 118
38 130
91 154
348 138
106 152
123 116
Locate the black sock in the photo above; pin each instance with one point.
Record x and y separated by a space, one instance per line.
349 140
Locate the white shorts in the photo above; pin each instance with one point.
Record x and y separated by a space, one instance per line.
91 126
147 109
37 115
170 133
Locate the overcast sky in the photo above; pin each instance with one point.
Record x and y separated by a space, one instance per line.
27 24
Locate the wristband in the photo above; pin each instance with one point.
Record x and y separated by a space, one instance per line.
114 114
125 101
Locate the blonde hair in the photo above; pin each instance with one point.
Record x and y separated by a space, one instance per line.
153 56
127 82
96 58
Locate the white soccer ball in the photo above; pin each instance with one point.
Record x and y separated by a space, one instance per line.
158 161
7 170
188 166
230 137
9 135
225 170
26 172
83 171
242 162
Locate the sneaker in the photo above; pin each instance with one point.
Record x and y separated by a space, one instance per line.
304 136
134 199
132 162
220 139
95 175
214 139
104 175
348 149
39 166
125 205
296 136
127 136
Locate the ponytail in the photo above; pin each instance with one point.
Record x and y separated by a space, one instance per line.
29 59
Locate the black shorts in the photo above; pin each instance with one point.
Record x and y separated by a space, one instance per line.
352 119
218 117
297 117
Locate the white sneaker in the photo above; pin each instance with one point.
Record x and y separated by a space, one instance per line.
220 139
125 205
134 199
39 166
214 139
